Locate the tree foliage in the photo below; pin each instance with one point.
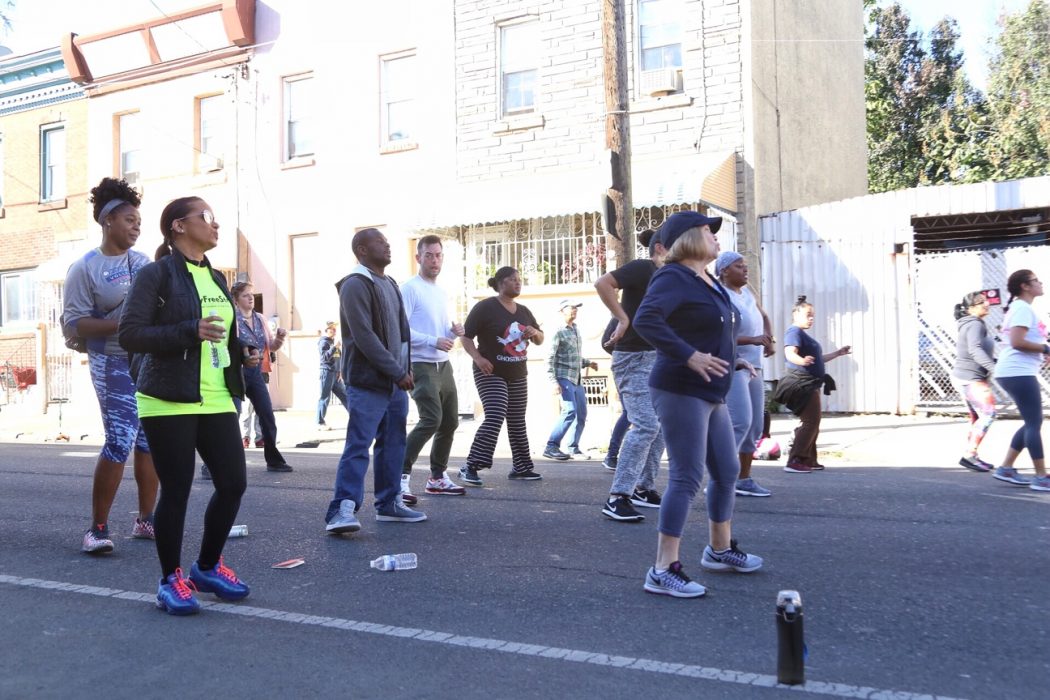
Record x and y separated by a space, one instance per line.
928 125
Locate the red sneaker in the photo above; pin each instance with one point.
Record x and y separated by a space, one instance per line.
796 467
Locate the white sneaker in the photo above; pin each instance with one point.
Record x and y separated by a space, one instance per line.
444 487
581 455
406 491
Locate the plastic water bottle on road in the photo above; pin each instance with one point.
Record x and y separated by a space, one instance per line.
791 647
394 562
220 350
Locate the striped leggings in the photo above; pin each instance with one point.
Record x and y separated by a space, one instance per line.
501 399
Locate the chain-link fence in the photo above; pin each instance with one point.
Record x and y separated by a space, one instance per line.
941 281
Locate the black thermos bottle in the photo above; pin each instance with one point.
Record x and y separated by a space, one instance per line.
791 648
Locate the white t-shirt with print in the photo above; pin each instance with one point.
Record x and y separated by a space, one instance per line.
1020 363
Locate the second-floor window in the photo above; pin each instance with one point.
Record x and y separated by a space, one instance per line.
130 146
398 77
298 117
52 163
210 147
519 66
660 34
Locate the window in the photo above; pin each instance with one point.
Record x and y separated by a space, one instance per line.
398 98
17 297
2 172
52 163
210 143
660 34
519 66
129 146
298 117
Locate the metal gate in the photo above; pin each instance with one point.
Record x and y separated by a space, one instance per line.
941 281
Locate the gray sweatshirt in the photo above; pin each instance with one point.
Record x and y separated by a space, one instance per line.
973 350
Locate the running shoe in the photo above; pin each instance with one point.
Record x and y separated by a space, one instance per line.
748 487
97 541
732 558
620 508
175 597
555 453
646 498
407 496
527 475
1011 476
796 467
143 529
975 464
580 455
1040 483
470 477
219 580
610 463
672 582
443 487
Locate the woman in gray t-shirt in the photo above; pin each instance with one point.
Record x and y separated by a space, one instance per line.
94 292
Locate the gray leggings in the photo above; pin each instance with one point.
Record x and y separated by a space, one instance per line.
698 434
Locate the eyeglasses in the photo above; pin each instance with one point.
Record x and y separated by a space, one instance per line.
207 215
1033 280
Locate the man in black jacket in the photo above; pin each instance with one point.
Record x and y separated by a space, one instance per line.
377 371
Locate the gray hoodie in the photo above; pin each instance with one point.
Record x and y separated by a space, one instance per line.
973 350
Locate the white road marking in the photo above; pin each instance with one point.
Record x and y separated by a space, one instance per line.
80 454
841 690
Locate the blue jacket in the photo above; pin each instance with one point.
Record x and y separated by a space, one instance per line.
681 314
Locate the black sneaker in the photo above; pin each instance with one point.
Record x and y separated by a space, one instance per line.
527 475
620 508
469 475
282 467
975 464
646 498
555 453
610 463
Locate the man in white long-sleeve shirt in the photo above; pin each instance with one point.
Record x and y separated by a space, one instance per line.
433 335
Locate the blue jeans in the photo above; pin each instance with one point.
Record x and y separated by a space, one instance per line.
255 391
618 431
379 417
331 383
573 410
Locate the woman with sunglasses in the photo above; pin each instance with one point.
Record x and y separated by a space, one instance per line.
178 323
1017 371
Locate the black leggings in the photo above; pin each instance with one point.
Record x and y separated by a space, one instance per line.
172 441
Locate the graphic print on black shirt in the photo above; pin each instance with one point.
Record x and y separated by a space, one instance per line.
499 336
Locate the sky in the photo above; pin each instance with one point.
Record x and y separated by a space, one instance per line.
39 24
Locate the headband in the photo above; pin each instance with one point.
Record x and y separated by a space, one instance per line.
108 208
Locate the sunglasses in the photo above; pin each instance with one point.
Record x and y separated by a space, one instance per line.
207 215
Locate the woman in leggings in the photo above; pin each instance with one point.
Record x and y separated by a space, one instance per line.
504 329
1017 372
688 317
94 292
973 366
178 323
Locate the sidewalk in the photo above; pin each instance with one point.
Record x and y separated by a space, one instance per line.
863 439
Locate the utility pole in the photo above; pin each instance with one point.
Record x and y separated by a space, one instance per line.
619 233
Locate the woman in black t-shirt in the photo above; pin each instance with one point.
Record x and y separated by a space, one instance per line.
504 330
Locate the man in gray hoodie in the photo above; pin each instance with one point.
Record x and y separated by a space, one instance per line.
377 370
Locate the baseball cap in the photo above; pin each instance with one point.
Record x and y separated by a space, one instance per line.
679 223
568 302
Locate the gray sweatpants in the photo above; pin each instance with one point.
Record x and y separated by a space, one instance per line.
642 447
747 403
698 434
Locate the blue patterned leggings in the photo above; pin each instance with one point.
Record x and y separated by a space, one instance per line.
116 399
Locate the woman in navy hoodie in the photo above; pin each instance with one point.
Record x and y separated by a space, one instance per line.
688 317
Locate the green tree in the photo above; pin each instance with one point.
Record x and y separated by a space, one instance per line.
1019 95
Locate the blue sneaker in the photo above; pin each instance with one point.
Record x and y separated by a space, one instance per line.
1011 476
672 582
1040 483
175 597
221 581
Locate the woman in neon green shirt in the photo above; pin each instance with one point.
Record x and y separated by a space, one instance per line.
178 327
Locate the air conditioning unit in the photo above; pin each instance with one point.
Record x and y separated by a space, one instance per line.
661 82
131 177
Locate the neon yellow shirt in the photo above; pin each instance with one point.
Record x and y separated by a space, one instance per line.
216 397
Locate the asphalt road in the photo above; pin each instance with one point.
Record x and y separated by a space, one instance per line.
916 581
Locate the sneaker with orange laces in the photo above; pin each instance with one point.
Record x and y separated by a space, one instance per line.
219 580
175 597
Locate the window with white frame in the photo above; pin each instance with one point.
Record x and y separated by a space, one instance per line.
660 34
2 164
210 142
52 163
17 297
399 84
519 46
129 139
298 117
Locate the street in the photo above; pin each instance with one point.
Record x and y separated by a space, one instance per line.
916 581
